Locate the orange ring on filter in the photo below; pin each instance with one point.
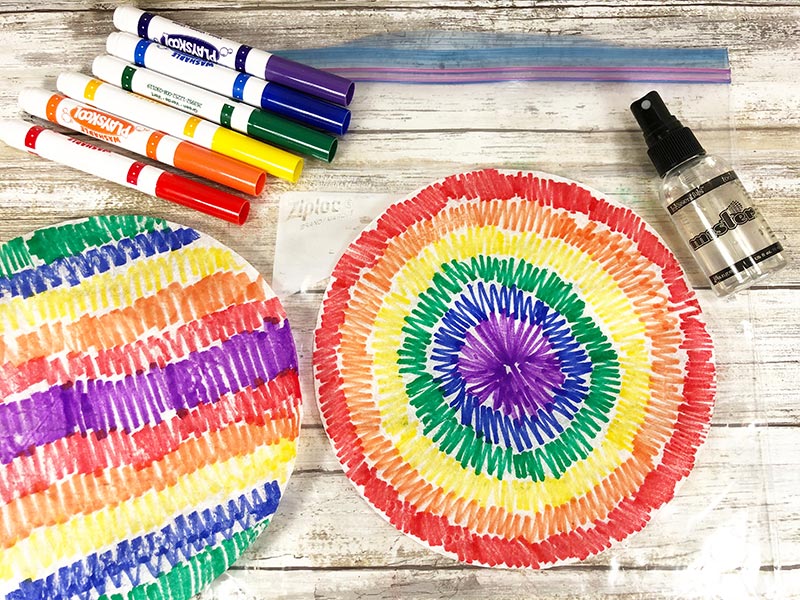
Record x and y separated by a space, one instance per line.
625 517
362 350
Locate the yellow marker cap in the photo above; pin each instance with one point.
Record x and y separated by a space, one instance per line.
274 161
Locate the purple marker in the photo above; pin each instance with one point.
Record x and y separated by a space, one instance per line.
243 58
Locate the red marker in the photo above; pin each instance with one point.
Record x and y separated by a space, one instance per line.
125 171
142 140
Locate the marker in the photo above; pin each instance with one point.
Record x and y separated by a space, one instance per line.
123 170
142 140
219 79
243 58
235 115
174 122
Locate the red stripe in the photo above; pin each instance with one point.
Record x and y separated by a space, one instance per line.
141 354
32 136
78 454
133 172
631 514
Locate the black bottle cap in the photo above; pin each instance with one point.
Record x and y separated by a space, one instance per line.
669 143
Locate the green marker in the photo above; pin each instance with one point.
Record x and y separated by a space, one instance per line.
240 117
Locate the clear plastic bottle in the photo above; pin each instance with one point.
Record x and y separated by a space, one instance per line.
709 206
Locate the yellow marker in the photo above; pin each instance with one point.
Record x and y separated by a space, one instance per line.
170 120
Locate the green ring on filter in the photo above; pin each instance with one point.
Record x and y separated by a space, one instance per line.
440 421
291 136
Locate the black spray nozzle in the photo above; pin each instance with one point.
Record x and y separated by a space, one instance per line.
669 143
654 117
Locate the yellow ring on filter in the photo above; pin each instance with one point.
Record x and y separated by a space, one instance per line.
424 267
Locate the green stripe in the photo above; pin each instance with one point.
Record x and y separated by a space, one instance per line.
441 422
225 115
14 257
190 578
51 243
127 78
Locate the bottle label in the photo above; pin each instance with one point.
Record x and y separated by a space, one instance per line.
700 190
732 217
746 263
725 232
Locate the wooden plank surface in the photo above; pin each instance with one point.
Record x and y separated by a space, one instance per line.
733 531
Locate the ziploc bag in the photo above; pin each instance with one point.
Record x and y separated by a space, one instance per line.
527 95
521 87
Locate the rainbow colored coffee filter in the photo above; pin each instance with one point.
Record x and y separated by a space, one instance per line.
512 369
150 410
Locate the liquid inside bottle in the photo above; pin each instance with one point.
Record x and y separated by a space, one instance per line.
726 234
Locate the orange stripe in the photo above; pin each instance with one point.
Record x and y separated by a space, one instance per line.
84 494
52 107
173 304
157 349
152 144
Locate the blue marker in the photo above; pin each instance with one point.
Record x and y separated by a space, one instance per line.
239 86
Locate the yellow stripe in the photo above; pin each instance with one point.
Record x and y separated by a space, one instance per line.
603 296
191 126
117 288
91 89
84 534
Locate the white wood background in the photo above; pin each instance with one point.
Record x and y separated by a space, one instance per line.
733 531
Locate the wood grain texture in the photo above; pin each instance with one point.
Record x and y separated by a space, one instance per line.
733 531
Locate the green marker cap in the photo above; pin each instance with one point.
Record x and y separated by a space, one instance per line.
291 136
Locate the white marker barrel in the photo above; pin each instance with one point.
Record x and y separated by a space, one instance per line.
80 155
267 127
221 80
108 165
240 57
174 122
143 140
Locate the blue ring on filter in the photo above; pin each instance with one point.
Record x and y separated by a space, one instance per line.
238 86
139 52
474 306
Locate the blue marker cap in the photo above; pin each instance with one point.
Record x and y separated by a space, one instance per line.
306 109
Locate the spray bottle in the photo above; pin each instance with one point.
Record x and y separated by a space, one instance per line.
709 206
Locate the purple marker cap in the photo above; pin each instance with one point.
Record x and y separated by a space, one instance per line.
307 79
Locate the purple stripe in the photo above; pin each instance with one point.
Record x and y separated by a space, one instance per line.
380 77
532 68
143 24
100 406
240 61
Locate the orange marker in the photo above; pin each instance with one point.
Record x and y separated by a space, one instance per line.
143 140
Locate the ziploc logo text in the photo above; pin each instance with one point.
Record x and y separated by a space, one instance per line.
191 45
101 126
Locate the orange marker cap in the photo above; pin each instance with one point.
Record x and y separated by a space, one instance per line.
220 168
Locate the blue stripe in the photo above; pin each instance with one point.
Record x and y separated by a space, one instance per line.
431 57
144 23
178 541
139 51
72 270
238 86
